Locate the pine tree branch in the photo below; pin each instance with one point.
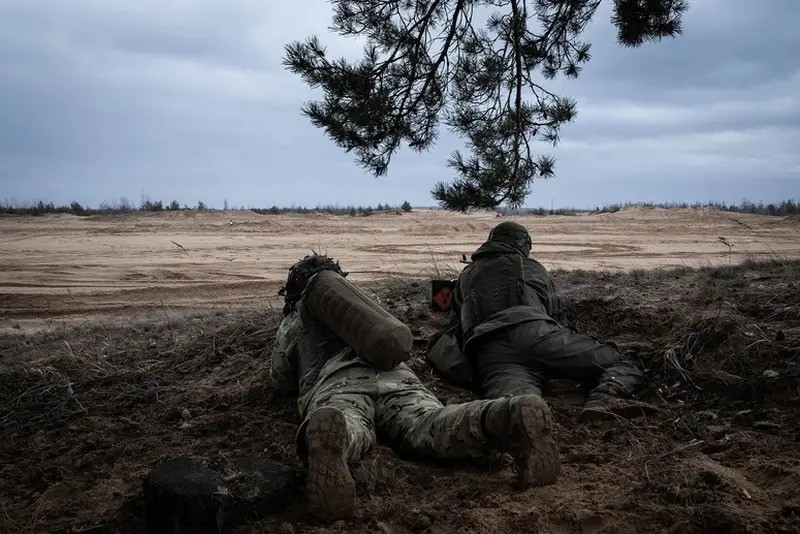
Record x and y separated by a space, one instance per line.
428 60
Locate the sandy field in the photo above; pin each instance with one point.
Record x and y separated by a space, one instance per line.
66 269
178 365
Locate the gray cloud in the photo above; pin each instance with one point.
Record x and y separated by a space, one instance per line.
188 100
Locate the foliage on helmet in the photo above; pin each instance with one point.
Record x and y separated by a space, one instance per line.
299 275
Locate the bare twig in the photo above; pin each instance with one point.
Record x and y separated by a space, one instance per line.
181 247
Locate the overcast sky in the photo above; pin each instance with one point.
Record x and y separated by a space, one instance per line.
188 100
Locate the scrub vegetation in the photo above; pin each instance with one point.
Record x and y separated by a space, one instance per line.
86 411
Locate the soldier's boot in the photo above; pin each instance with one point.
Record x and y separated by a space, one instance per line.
524 424
604 407
330 487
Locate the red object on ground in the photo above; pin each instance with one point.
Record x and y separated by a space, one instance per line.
442 294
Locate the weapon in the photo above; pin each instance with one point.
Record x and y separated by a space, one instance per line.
373 333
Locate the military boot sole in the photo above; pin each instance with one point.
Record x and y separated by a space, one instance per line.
537 459
329 486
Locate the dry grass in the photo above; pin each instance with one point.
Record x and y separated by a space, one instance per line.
85 412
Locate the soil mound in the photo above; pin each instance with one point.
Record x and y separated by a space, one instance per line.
87 412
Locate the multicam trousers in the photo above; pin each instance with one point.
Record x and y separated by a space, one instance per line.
397 407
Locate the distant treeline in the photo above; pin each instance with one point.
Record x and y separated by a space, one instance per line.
75 208
353 211
786 207
125 206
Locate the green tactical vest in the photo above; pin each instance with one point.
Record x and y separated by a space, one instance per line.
490 285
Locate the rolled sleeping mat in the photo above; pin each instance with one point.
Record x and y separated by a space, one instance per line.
375 335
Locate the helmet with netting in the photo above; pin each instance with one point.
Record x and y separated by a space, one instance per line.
299 275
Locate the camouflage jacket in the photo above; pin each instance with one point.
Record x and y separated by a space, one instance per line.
530 296
305 353
534 298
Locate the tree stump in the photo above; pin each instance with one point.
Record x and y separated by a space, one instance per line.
209 496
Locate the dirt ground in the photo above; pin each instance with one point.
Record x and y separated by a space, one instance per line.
64 268
87 409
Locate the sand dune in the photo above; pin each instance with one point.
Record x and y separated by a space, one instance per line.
67 268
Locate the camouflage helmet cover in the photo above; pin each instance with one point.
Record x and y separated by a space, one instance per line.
513 234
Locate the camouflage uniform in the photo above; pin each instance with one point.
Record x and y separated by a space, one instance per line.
393 404
346 403
507 320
